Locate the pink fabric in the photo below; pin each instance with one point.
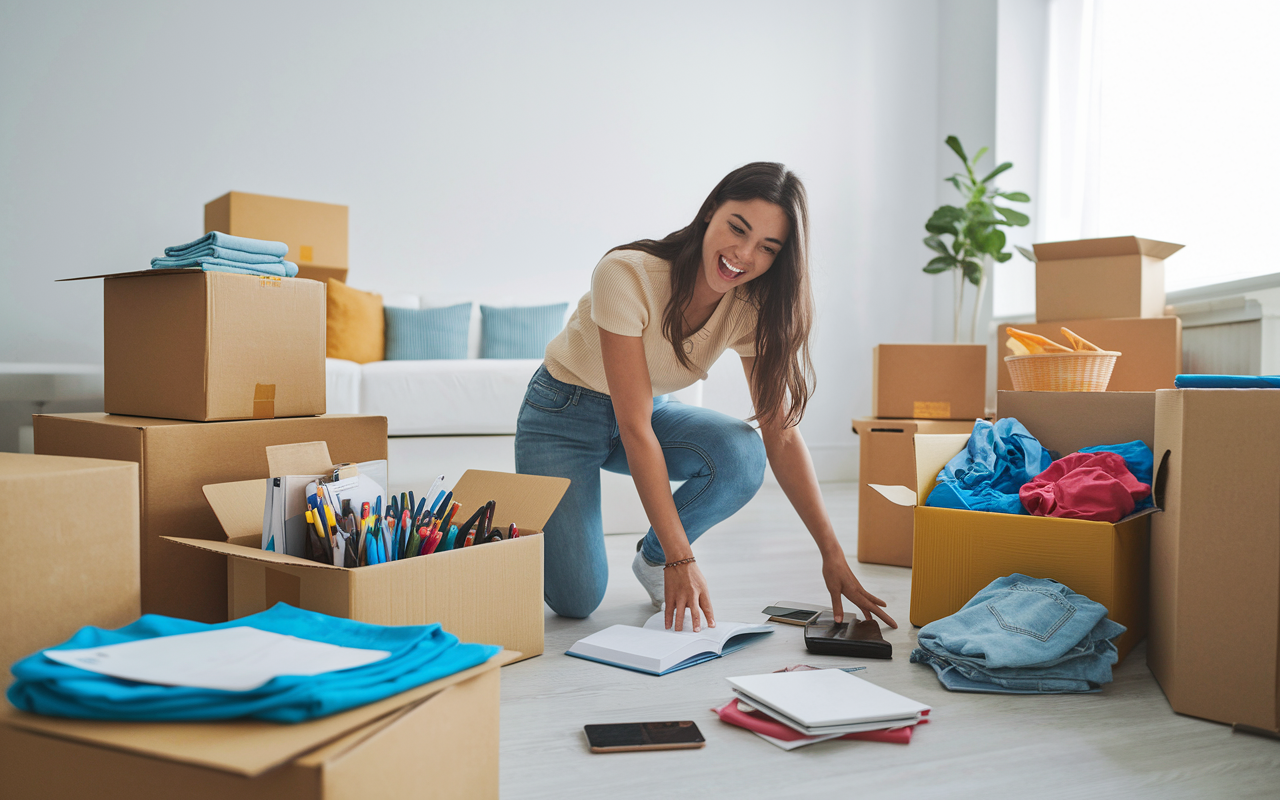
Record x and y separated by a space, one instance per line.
1092 486
761 723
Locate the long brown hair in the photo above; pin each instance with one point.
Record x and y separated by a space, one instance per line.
783 377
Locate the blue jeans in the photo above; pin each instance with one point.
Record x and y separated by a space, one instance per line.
570 432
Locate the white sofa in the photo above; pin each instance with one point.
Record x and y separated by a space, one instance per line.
448 416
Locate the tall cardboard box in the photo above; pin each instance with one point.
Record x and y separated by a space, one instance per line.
887 455
186 344
490 594
929 381
175 461
438 740
957 553
1101 278
315 232
70 533
1151 349
1215 555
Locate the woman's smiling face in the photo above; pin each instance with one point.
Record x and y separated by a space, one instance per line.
742 240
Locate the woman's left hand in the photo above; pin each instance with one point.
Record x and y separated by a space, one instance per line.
842 582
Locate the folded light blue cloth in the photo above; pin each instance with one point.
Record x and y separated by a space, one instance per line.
279 269
1022 635
1227 382
217 239
223 253
419 654
988 473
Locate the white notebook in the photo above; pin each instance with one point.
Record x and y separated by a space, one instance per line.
817 702
657 651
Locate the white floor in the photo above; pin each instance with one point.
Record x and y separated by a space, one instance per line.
1123 742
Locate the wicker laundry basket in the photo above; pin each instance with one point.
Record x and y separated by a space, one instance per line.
1084 371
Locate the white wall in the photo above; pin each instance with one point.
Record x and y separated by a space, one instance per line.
488 149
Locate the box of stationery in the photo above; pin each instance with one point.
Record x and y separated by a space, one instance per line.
1215 555
61 569
330 538
887 456
316 233
203 346
1110 278
1150 349
439 739
929 381
1058 487
175 461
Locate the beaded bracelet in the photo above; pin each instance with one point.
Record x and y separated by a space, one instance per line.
688 560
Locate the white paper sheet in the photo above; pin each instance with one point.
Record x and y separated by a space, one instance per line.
236 659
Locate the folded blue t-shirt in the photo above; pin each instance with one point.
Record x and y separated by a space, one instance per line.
988 473
419 654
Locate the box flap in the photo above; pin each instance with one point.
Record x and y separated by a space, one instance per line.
933 451
1098 248
138 272
1068 421
526 500
304 458
238 506
240 550
242 747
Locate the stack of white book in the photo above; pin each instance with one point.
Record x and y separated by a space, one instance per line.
817 705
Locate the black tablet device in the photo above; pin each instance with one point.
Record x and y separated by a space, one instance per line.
824 636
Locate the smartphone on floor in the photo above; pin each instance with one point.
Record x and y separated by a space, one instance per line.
620 737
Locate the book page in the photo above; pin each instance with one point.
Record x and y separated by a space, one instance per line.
720 634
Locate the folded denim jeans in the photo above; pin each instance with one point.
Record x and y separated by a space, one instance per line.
956 678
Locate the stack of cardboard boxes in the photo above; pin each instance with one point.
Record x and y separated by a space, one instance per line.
916 388
205 372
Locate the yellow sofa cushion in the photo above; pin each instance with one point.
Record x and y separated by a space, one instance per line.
355 325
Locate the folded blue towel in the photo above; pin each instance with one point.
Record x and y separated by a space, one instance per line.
419 654
217 239
223 253
279 269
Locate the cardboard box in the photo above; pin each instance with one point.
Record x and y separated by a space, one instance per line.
491 594
1151 349
887 455
929 381
63 570
315 232
438 740
1215 555
1101 278
176 459
957 553
185 344
312 272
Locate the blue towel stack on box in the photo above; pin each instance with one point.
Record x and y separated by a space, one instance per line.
222 252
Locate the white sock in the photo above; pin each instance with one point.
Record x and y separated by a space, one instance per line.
650 578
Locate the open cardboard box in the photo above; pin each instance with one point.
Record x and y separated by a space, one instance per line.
957 553
316 233
1110 278
437 740
490 594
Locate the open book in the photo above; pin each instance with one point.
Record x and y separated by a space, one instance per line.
657 651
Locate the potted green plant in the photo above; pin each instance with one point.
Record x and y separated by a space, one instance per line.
976 241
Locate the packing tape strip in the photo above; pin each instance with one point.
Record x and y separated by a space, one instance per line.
931 409
304 253
264 401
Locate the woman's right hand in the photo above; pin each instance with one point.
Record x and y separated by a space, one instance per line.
685 588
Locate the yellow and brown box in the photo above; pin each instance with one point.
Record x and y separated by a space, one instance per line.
186 344
929 381
438 740
70 529
175 460
491 594
957 553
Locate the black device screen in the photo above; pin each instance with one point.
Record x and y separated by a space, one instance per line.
782 612
640 734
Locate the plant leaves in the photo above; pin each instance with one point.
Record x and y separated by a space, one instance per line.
973 272
946 219
1006 165
954 144
979 155
954 180
940 264
1029 255
1017 197
936 244
1003 257
990 241
1014 217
